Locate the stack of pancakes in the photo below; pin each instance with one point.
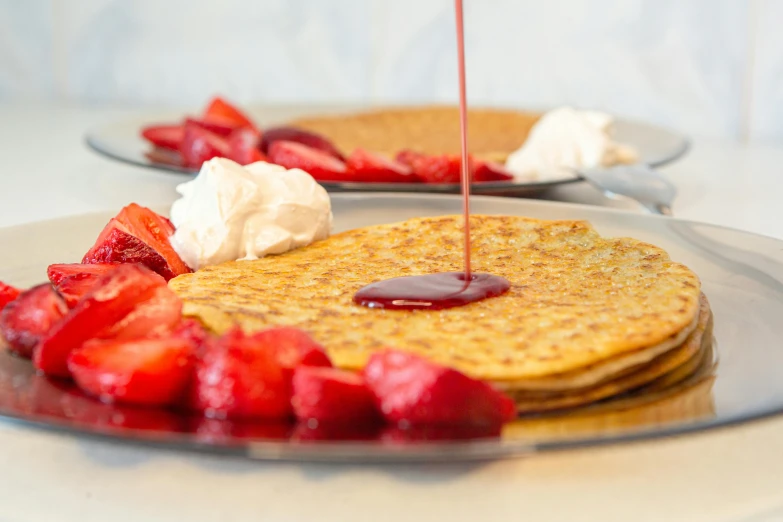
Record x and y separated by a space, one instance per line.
586 317
493 133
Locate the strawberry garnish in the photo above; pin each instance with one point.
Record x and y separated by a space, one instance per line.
408 157
222 128
237 377
484 171
164 136
74 280
221 110
156 231
437 169
199 145
29 318
115 295
192 331
148 372
332 395
308 138
319 165
411 389
371 167
7 294
156 316
292 347
243 146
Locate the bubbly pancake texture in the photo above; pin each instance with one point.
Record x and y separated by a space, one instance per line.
576 299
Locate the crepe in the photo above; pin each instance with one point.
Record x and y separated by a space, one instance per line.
493 133
579 304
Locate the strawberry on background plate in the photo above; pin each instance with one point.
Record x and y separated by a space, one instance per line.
164 136
307 138
222 128
484 171
199 145
332 395
243 146
74 280
219 109
115 295
371 167
146 372
319 165
30 318
437 169
7 294
411 389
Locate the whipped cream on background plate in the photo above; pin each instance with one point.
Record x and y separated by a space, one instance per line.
230 212
564 139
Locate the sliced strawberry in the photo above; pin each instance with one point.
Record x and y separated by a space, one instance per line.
367 166
192 331
115 295
148 372
156 231
308 138
332 395
164 136
412 389
408 157
243 146
156 316
199 145
7 294
438 169
221 127
225 431
237 377
29 318
484 171
292 347
221 110
74 280
319 165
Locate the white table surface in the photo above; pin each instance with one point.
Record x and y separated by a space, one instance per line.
727 475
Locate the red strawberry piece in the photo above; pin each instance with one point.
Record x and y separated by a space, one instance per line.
221 110
199 145
490 171
74 280
156 231
411 389
370 167
308 138
115 295
332 395
157 316
221 127
237 377
243 145
292 347
438 169
409 157
7 294
147 372
192 331
223 431
29 318
319 165
164 136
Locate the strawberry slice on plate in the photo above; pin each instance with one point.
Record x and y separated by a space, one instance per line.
222 128
292 347
145 372
437 169
221 110
115 295
237 377
199 145
485 171
411 389
30 317
308 138
244 146
7 294
74 280
156 231
319 165
164 136
370 167
332 395
156 316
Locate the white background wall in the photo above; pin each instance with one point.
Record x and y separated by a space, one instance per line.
708 67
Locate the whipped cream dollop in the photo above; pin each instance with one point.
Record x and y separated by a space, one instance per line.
230 212
565 139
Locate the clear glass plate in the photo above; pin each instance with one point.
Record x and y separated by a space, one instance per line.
121 141
741 275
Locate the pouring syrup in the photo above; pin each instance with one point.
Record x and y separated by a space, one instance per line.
446 289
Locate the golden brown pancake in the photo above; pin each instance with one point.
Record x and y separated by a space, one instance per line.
577 301
494 133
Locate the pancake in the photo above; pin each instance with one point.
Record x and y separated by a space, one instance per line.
494 133
577 300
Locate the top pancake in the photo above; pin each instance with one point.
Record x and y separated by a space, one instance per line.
494 133
576 299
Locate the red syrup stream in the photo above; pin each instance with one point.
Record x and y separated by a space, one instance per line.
447 289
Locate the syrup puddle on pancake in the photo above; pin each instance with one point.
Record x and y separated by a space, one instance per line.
446 289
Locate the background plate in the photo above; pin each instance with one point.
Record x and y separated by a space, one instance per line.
741 275
121 141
